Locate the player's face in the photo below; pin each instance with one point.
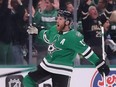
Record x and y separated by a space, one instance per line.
60 21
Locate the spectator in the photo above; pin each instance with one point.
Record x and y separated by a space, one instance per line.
69 7
35 3
109 8
46 19
111 41
63 3
91 27
18 33
0 3
40 6
56 4
101 5
5 35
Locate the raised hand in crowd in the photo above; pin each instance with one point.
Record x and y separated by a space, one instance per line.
56 4
88 2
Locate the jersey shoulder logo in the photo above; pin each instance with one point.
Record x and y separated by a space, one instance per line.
78 34
62 42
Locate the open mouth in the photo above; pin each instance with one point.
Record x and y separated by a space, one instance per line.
57 25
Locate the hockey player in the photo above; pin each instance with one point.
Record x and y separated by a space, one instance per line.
64 44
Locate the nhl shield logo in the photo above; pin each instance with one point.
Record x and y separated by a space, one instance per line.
14 81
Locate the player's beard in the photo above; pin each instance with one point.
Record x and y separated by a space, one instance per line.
60 29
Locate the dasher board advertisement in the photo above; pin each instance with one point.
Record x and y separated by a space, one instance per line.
81 77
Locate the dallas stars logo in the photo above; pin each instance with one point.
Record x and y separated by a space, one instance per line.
52 48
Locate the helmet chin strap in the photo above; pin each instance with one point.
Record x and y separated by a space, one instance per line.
61 32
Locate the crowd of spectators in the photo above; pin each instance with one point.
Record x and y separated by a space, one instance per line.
92 17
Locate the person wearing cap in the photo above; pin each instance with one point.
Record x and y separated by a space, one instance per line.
64 44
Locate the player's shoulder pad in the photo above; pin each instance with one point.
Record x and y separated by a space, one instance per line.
53 29
78 34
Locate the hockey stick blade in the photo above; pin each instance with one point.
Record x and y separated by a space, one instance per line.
16 72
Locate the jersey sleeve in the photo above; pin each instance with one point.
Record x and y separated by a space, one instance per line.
46 34
37 18
82 48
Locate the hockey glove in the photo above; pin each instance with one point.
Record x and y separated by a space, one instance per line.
103 68
34 29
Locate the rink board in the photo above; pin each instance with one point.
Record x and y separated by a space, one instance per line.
81 77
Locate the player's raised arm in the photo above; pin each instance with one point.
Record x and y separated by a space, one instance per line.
89 54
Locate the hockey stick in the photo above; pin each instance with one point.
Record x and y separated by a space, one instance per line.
103 54
16 72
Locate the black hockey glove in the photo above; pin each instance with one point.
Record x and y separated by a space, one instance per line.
103 68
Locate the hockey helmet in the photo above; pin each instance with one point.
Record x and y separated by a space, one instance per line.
66 14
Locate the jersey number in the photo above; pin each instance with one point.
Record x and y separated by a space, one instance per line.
98 34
